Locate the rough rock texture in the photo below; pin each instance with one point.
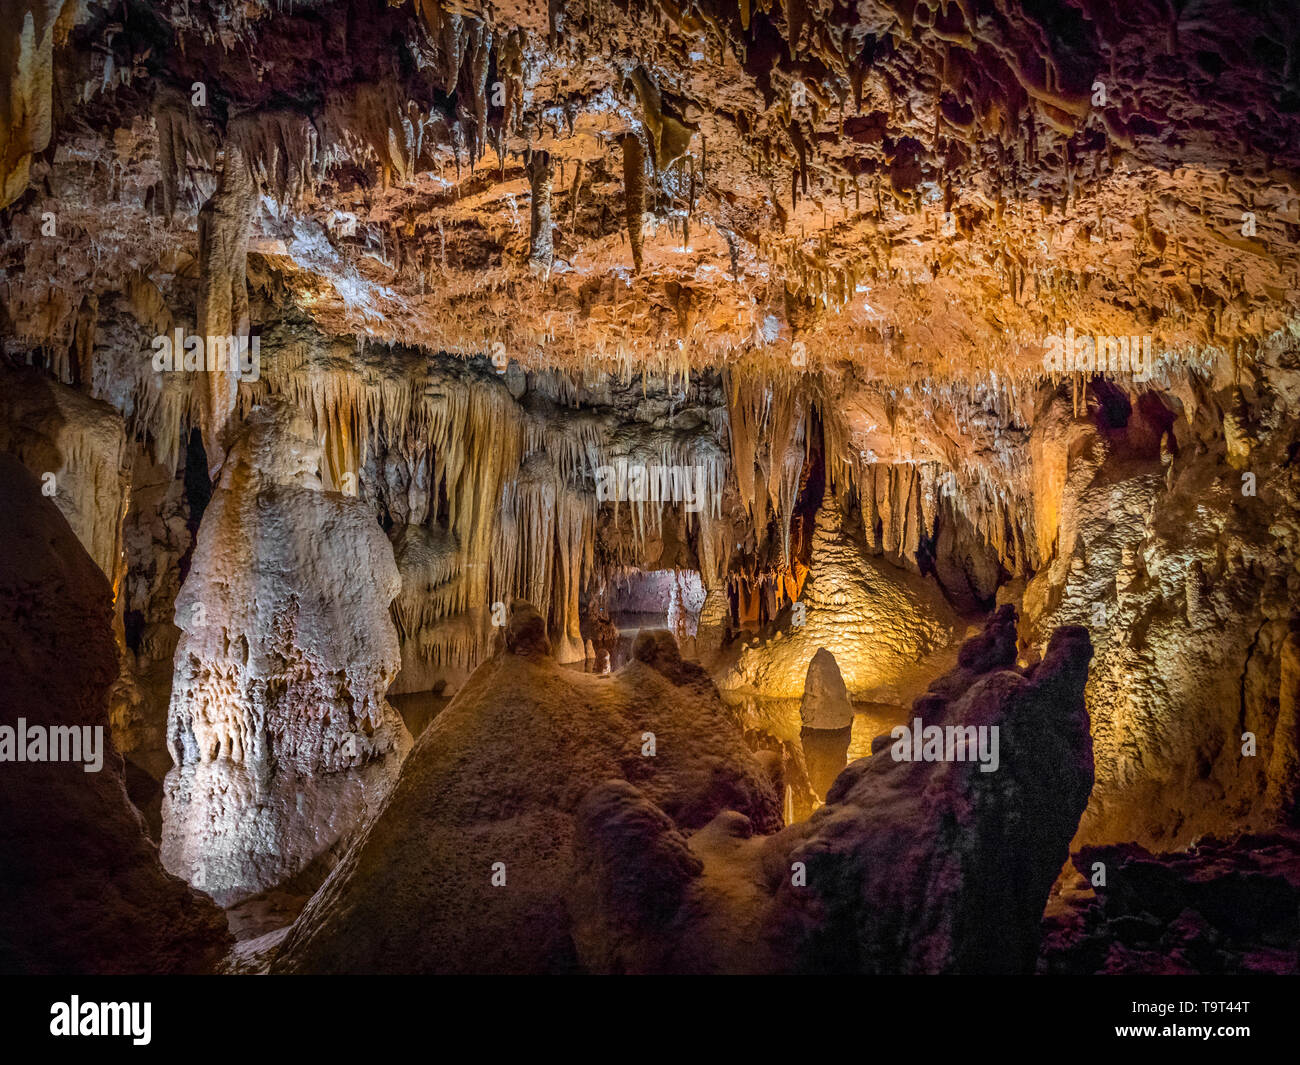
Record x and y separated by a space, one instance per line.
1220 907
222 306
960 166
59 432
878 622
825 702
820 252
282 738
1185 574
924 867
158 538
83 889
920 867
499 777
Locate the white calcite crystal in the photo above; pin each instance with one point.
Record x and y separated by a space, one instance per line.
279 727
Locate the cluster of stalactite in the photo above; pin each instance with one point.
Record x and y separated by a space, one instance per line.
506 496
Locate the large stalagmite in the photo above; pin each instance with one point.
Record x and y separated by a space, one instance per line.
951 865
818 332
910 867
279 728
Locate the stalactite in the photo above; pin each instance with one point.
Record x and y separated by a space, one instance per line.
541 245
573 199
633 194
180 136
31 29
668 133
222 312
510 68
279 148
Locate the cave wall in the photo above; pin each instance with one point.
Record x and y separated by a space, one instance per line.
1176 548
84 889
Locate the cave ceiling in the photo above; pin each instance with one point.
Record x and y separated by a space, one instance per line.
906 192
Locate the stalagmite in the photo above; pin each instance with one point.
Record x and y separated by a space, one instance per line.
719 422
879 623
825 703
282 739
507 763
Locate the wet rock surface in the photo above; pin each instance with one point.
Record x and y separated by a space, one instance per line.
937 866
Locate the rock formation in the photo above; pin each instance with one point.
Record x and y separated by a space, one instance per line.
282 738
827 716
1190 600
825 703
77 448
950 865
468 865
84 890
879 624
910 867
800 330
1220 907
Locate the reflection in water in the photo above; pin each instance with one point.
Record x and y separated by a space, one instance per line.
825 752
418 709
813 757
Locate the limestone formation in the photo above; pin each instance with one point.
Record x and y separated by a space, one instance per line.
1198 911
950 865
824 336
825 703
282 738
222 313
878 623
469 864
927 866
1210 590
77 447
84 890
